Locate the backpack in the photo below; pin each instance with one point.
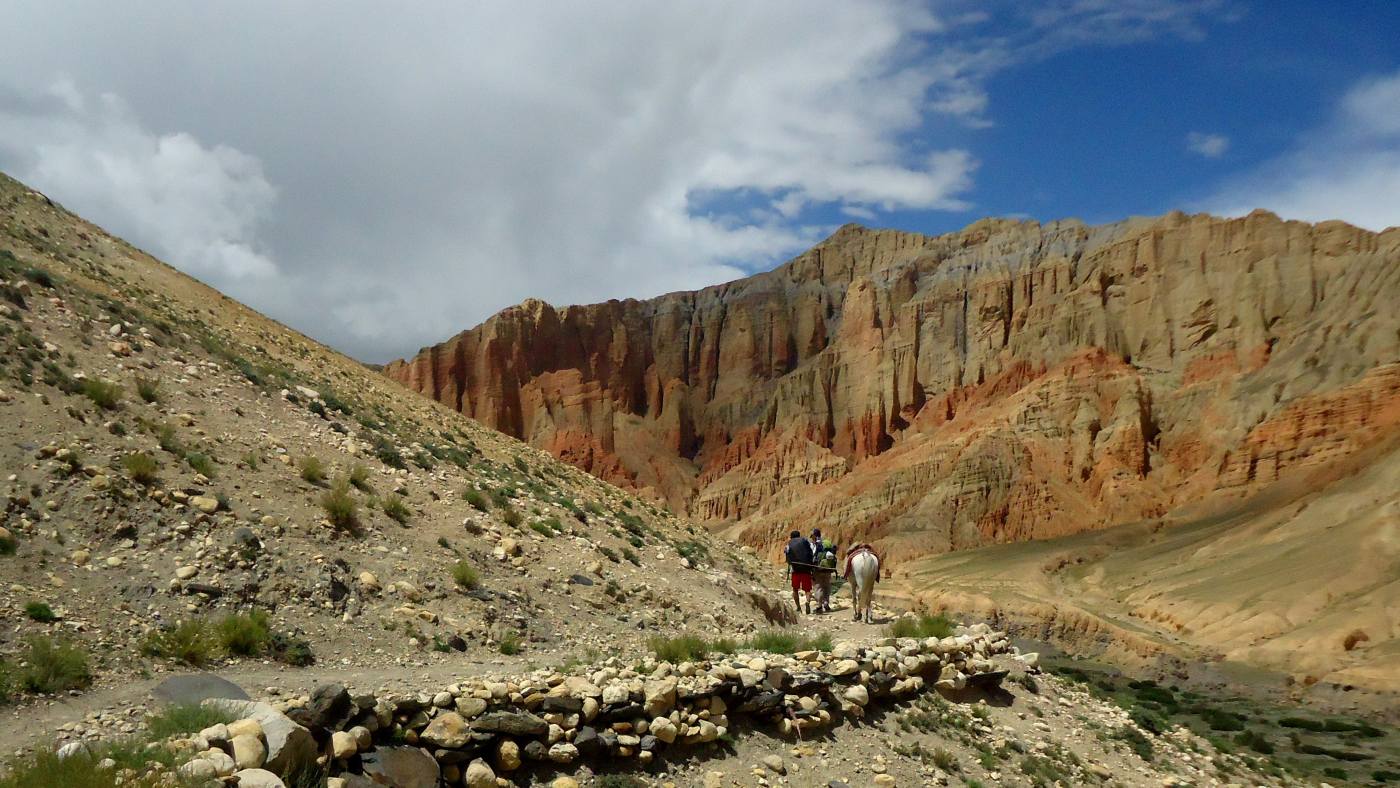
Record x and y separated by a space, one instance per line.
826 557
799 551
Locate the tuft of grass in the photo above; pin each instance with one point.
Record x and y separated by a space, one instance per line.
465 575
189 642
397 510
184 719
105 395
476 500
52 666
681 648
312 470
359 479
778 641
511 517
168 441
244 635
40 611
8 545
340 507
141 467
509 645
925 626
148 389
201 463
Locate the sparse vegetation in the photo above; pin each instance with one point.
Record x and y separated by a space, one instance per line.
40 611
682 648
52 666
1136 741
244 635
925 626
189 642
511 517
780 641
359 478
510 644
340 507
465 575
148 389
184 719
141 467
105 395
312 470
290 650
202 463
396 509
476 500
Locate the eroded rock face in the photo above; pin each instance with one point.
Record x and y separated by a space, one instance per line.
1007 382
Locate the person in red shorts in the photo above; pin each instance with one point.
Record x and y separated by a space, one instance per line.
800 564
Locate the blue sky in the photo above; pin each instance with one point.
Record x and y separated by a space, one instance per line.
381 182
1102 132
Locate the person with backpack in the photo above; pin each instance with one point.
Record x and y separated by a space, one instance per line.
798 554
824 572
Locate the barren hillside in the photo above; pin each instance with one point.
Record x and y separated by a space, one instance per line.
171 456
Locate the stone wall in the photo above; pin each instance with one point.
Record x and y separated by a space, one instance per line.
552 721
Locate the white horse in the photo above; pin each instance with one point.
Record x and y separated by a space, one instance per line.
865 570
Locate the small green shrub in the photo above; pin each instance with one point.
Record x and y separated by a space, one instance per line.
509 645
251 460
465 575
244 635
39 277
340 507
40 611
290 650
203 464
312 470
8 545
476 500
141 467
105 395
189 642
359 478
168 441
631 556
396 509
1220 720
387 453
52 666
608 553
925 626
1254 740
148 389
511 517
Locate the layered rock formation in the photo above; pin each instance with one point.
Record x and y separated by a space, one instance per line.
1010 381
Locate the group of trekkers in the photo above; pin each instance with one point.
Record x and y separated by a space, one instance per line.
811 564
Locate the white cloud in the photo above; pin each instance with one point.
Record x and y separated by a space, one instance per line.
469 155
1211 146
197 206
1348 169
